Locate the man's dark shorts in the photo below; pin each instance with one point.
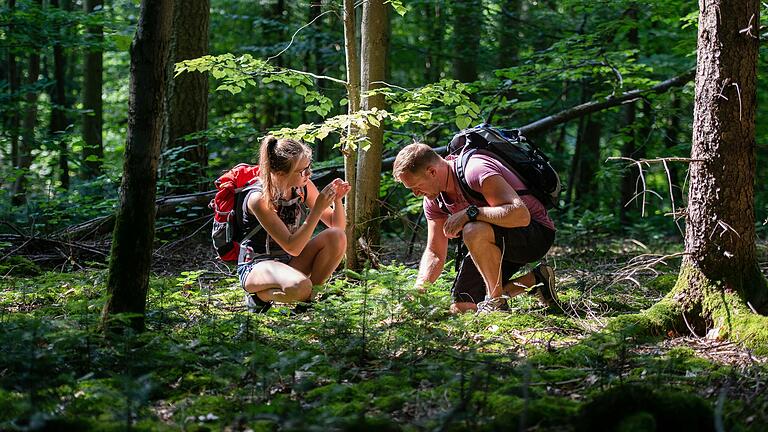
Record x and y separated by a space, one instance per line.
520 246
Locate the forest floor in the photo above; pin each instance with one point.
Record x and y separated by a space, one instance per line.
370 355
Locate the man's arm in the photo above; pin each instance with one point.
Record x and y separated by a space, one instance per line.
505 208
433 259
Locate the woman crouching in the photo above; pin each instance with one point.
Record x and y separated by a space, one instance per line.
282 261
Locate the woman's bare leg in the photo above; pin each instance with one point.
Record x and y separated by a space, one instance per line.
321 255
275 281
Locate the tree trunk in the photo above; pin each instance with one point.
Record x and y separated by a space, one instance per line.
28 141
131 253
629 178
586 188
93 147
467 28
374 56
434 16
59 121
350 152
720 223
13 89
507 33
574 175
671 140
273 103
185 160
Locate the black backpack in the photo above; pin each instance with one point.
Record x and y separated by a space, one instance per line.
516 153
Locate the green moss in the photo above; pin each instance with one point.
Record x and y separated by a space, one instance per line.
626 406
389 403
19 266
663 283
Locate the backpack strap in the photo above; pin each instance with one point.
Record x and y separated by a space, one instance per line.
459 168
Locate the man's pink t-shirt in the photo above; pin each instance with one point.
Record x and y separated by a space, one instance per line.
479 168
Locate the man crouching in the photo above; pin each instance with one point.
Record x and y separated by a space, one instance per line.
503 232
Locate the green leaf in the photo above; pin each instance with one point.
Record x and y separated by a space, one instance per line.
301 90
463 122
218 73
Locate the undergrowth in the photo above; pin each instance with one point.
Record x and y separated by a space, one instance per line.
370 355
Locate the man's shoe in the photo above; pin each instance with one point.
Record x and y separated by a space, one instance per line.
256 305
495 304
545 289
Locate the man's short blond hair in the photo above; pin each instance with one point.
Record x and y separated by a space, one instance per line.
414 158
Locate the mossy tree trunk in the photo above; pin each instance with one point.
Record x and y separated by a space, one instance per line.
374 55
720 284
131 254
720 222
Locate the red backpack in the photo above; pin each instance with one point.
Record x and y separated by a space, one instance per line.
227 232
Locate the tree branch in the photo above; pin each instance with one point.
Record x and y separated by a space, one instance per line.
591 107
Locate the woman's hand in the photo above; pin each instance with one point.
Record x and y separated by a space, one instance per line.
325 197
342 188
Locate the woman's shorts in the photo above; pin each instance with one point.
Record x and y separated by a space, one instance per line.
520 246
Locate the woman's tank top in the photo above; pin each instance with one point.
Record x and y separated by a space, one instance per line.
262 246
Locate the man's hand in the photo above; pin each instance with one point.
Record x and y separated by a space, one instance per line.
455 223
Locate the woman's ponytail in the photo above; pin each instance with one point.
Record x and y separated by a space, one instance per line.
278 156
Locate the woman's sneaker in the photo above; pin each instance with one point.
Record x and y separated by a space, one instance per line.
545 289
493 305
256 305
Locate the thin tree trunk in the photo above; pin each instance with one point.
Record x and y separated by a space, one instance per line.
131 254
187 99
671 140
508 33
586 191
13 89
350 153
28 142
374 55
93 147
59 121
434 15
467 28
629 179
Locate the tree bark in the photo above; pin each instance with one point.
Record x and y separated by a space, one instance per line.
586 188
185 160
93 147
720 223
350 153
13 89
131 253
507 33
28 141
629 178
434 15
375 42
467 28
59 121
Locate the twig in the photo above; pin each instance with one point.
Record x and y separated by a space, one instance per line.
297 32
174 243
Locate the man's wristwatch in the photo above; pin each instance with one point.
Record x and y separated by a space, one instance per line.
472 213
